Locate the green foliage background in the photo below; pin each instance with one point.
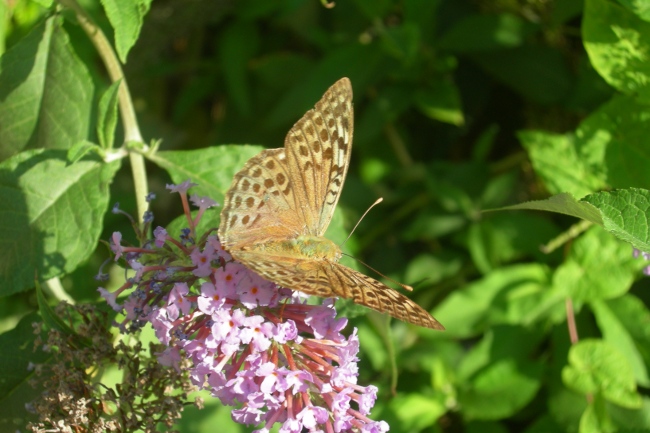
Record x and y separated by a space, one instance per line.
460 106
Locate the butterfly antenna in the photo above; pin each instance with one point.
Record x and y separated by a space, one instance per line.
379 200
403 286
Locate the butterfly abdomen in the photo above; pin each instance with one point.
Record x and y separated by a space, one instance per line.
316 247
302 247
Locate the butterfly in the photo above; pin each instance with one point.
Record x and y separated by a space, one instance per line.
280 204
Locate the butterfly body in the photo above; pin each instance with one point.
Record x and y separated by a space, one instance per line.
280 204
304 246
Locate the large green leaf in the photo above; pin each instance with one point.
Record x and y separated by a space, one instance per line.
634 316
497 377
621 212
46 93
613 142
639 7
609 148
416 412
469 310
52 217
614 333
624 214
598 266
558 162
618 42
597 367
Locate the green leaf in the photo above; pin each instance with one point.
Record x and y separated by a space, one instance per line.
624 214
126 18
500 343
46 93
595 418
614 333
487 32
608 149
15 391
107 116
596 367
80 149
441 102
44 3
500 390
401 42
597 267
561 203
211 168
431 269
634 316
416 412
53 217
468 311
639 7
612 142
506 237
617 42
4 25
559 163
631 420
565 406
496 379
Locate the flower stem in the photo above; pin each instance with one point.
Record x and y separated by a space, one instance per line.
127 111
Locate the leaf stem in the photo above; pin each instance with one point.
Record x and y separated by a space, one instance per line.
571 321
132 132
564 237
55 288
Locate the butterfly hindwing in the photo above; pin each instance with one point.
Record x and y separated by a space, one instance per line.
327 279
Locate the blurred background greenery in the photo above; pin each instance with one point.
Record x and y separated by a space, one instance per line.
442 88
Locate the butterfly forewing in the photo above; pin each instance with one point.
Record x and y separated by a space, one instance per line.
318 154
260 204
283 195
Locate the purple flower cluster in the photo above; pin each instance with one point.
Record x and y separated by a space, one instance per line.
646 256
253 344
